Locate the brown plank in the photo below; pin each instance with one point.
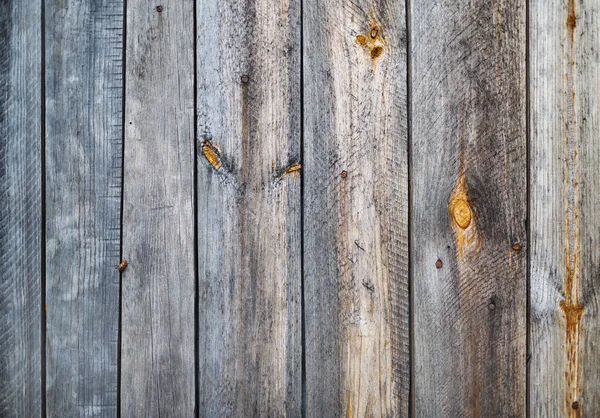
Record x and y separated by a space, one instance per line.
157 376
83 67
356 209
565 209
468 182
249 208
20 209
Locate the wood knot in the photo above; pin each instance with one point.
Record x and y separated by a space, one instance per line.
376 52
461 213
372 40
211 153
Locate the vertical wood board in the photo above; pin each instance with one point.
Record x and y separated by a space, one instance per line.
158 285
83 60
356 209
20 209
468 222
565 208
248 211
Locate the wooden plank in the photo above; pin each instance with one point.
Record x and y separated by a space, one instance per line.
20 209
565 209
158 225
468 228
84 44
249 209
356 209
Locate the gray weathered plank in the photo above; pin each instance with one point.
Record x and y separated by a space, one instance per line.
20 209
356 208
565 208
158 224
468 207
249 208
84 42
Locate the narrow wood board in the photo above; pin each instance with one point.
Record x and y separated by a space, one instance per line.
20 209
249 202
356 209
157 375
468 211
83 68
565 208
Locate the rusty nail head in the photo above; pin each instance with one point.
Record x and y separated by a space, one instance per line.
575 405
245 79
122 266
344 174
439 264
159 9
516 246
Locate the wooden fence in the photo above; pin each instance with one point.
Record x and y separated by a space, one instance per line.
327 207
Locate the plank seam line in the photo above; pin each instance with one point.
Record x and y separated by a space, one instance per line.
195 240
43 324
411 373
302 197
123 86
527 212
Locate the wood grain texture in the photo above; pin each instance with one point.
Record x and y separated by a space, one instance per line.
20 209
469 207
84 42
249 202
565 208
356 209
157 377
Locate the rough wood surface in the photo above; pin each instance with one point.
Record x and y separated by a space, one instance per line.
355 208
83 200
468 183
249 209
157 376
565 208
20 209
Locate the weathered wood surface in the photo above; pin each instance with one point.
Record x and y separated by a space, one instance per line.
158 285
249 250
20 209
83 205
469 207
355 208
565 208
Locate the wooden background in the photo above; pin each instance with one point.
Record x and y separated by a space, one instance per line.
329 208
